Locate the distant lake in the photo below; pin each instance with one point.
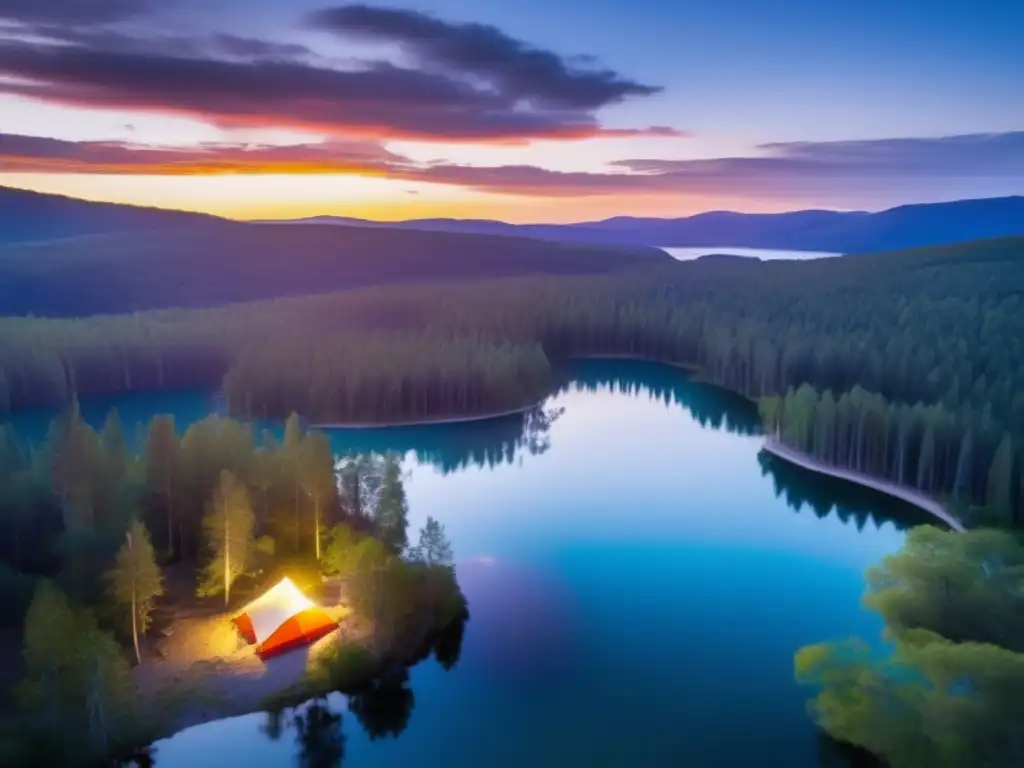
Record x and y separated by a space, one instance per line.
639 575
766 254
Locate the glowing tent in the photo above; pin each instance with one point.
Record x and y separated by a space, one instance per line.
281 619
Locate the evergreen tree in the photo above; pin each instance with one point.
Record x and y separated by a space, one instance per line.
317 479
998 494
163 469
228 530
392 512
77 686
136 580
434 547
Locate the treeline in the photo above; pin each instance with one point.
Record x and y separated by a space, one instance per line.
968 456
938 326
375 377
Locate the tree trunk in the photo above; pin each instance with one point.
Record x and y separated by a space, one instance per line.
227 556
135 610
316 525
170 513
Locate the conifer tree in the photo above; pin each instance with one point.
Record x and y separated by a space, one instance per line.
136 580
228 529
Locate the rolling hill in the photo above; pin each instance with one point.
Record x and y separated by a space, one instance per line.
209 262
908 226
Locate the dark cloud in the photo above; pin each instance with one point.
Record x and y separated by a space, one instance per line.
72 12
45 155
231 81
252 48
512 67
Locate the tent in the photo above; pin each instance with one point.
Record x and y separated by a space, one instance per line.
281 619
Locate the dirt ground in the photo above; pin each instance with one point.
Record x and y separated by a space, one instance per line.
195 655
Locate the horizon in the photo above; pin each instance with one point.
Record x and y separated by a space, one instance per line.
310 217
460 110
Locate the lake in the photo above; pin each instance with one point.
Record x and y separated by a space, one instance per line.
765 254
638 574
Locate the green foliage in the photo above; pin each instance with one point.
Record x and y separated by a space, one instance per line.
950 693
964 587
228 528
914 362
136 580
77 691
391 514
433 549
163 468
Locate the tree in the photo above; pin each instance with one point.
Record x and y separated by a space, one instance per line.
962 586
383 592
136 580
392 511
952 605
228 529
344 554
292 448
998 493
163 468
77 686
319 735
434 547
317 479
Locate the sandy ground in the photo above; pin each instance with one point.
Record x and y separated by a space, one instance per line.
209 671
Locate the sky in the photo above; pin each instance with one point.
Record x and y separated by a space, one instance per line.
532 110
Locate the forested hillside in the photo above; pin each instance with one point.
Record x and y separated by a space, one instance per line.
210 262
926 345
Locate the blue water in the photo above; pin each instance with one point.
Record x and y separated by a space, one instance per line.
638 580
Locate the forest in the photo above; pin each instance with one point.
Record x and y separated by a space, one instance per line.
204 262
97 541
927 346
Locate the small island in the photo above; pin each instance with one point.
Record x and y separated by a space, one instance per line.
205 575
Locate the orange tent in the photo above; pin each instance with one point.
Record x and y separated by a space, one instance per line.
281 619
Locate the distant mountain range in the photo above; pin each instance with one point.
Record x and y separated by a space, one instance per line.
908 226
29 216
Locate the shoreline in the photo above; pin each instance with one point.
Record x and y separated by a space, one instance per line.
425 422
904 493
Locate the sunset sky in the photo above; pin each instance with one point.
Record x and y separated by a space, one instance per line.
522 110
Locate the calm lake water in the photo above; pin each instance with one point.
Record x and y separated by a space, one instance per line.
638 576
766 254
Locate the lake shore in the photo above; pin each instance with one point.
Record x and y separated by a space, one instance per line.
695 372
909 495
426 422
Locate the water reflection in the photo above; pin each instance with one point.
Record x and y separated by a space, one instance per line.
710 406
318 734
382 707
494 442
454 447
826 496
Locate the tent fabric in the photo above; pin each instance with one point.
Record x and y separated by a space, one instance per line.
282 618
301 629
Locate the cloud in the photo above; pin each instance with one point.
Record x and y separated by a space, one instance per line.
841 172
34 154
516 69
72 12
838 171
253 48
238 82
